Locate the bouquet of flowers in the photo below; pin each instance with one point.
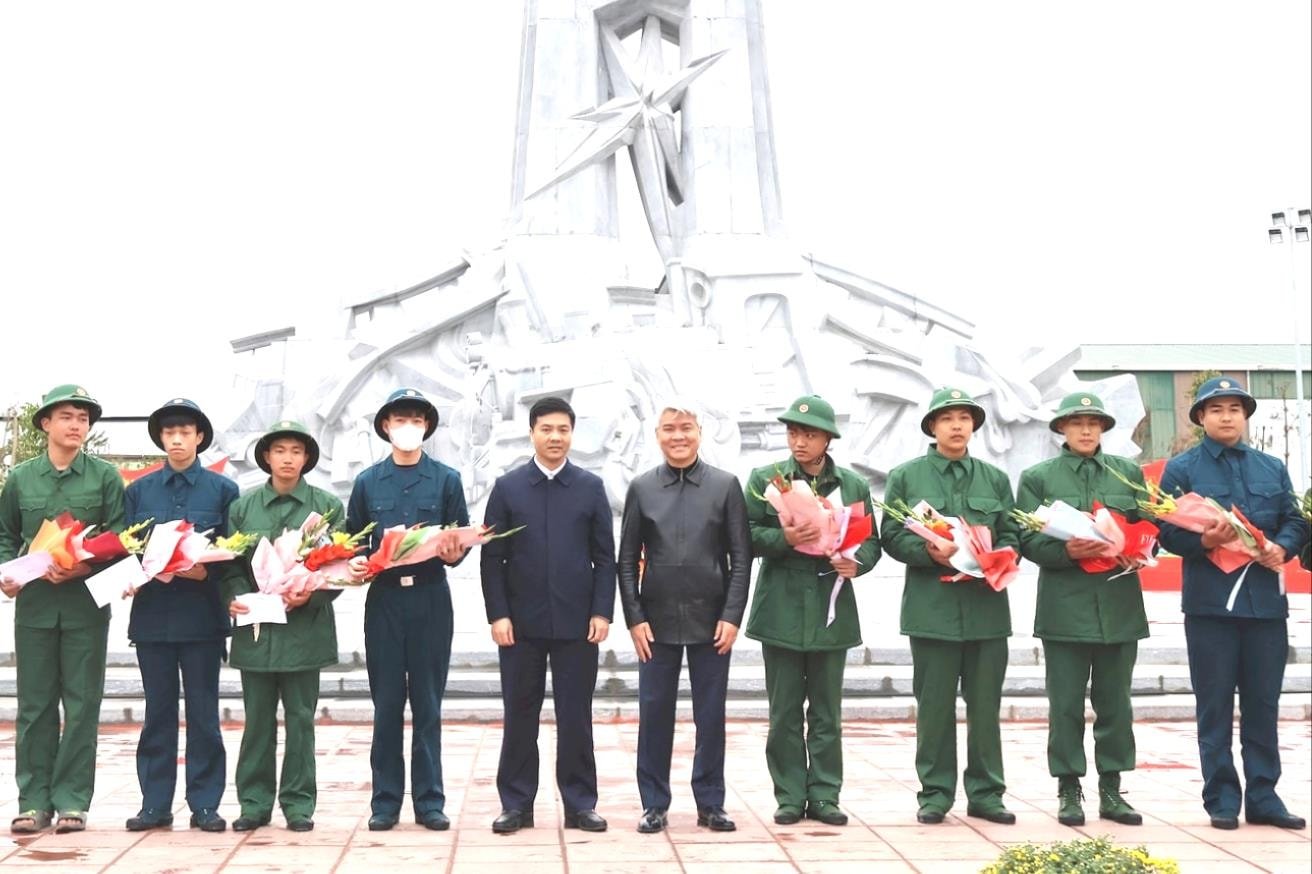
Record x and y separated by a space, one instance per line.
970 547
1134 542
843 528
176 546
405 546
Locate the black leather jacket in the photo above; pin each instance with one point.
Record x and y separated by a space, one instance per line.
689 528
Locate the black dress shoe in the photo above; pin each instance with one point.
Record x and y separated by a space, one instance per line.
207 819
249 823
587 820
929 816
511 821
1283 819
299 824
1000 815
434 820
826 812
715 819
1227 823
150 818
382 822
787 816
652 821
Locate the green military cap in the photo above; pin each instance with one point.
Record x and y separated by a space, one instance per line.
288 428
180 407
812 411
66 394
945 398
1082 403
406 397
1220 387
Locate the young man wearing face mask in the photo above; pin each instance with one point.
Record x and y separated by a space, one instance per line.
685 559
550 594
1236 632
281 661
408 621
1090 622
958 629
60 635
181 626
804 654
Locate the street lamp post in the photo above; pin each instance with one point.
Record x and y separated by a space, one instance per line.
1292 227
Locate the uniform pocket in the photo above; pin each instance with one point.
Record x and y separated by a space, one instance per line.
1265 503
983 510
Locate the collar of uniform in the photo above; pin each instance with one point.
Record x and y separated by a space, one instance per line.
1074 459
941 461
76 465
1215 449
692 473
191 474
564 473
793 470
390 467
299 493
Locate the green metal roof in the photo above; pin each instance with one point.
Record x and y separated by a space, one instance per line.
1190 356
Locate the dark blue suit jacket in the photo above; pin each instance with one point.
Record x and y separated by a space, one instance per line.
550 578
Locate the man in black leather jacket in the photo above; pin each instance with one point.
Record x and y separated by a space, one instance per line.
685 555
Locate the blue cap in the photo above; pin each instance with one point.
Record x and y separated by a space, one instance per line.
1221 387
185 407
406 397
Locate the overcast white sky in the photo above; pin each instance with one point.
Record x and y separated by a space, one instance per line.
175 174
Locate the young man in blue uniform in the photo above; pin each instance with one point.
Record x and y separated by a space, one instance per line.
1240 641
550 594
180 626
408 620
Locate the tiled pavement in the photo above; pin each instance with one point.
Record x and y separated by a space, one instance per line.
879 795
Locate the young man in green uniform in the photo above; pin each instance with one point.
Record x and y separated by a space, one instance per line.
958 630
804 657
60 635
285 660
1090 623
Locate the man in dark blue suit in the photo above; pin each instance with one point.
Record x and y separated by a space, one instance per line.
550 594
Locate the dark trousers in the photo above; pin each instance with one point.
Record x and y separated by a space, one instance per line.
157 748
1108 669
523 686
1248 655
658 694
804 747
58 666
407 644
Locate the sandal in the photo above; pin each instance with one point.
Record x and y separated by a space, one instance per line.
71 821
29 822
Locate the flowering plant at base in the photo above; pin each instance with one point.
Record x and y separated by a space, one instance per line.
1084 856
404 546
970 547
1132 542
843 528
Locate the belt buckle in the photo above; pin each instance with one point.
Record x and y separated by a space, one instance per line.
406 582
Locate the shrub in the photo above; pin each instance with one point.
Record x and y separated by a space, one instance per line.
1086 856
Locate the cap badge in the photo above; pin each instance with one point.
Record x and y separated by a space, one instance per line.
177 401
956 394
410 393
284 424
803 408
80 391
1085 402
1225 383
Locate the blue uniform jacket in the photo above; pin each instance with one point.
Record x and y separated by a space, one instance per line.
427 493
183 610
557 573
1259 486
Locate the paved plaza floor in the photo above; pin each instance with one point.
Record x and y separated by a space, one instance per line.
879 794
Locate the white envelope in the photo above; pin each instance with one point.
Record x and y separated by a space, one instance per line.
108 585
27 568
263 608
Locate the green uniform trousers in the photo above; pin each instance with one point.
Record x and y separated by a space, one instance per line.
810 768
57 666
260 690
1068 670
980 666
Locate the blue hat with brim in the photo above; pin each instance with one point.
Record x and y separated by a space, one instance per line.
406 397
1221 387
181 407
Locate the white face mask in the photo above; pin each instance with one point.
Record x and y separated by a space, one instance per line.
407 438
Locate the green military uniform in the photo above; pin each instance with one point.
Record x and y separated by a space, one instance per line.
285 661
1088 622
60 635
958 630
803 658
